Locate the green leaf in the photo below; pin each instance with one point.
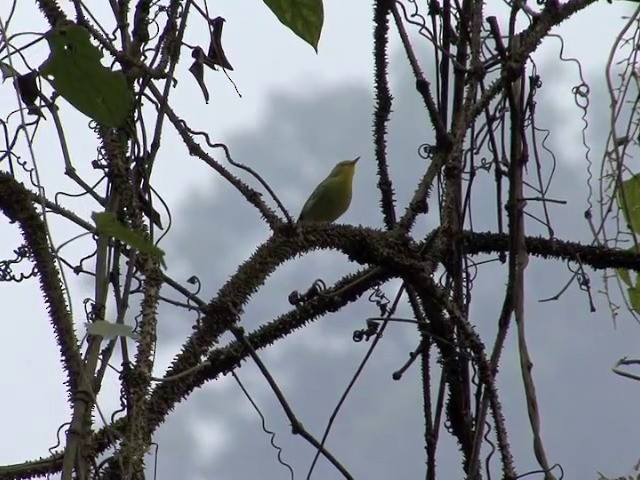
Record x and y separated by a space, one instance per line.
303 17
624 276
108 224
634 298
74 70
623 273
629 202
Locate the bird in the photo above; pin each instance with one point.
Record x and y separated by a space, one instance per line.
332 197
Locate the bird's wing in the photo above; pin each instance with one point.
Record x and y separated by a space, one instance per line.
310 201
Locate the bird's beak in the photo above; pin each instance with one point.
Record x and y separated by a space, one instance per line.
353 162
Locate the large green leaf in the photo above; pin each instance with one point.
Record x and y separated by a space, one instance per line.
629 202
634 298
108 224
625 274
303 17
74 70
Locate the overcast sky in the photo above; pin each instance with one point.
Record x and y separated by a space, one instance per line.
300 113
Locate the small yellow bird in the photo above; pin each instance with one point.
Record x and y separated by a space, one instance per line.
332 197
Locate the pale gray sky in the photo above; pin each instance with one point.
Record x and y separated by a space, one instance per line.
300 112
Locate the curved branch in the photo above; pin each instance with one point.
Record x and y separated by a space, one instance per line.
382 109
16 202
397 255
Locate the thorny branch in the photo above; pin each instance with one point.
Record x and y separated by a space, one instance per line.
477 103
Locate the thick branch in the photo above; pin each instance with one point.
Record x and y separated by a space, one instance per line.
16 204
